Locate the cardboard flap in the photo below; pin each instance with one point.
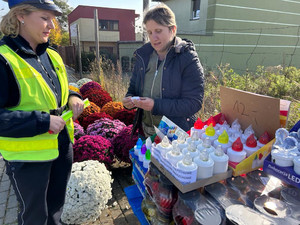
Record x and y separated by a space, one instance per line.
263 112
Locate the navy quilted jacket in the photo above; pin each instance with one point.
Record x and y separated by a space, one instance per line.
182 85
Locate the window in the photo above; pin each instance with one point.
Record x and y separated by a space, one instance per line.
195 9
108 25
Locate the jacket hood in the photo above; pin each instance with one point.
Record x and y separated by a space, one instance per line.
181 45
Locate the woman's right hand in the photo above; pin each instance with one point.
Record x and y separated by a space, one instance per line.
127 103
56 124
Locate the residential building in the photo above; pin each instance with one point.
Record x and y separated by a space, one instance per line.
116 28
243 33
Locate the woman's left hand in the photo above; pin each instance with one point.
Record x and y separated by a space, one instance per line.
144 103
76 105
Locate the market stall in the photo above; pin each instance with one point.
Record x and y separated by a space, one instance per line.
238 167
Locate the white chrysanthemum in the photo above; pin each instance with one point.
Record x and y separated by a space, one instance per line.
74 85
82 81
88 192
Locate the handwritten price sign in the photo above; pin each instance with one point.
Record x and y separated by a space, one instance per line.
259 110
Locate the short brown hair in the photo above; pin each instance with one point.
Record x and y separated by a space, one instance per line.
10 25
162 15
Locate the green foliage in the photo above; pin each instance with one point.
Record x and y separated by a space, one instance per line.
278 82
65 39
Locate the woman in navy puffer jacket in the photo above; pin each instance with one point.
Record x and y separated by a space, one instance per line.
167 77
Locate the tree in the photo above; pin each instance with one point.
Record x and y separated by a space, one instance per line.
55 35
65 39
66 9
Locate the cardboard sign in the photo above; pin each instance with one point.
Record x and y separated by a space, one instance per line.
263 112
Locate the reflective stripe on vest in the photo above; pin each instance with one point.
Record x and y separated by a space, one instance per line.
35 94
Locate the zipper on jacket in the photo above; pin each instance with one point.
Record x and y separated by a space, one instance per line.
54 92
151 93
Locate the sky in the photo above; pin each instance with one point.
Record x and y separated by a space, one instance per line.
137 5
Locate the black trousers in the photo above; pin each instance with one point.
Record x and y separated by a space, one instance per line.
40 187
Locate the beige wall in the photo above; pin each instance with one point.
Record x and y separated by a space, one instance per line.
87 31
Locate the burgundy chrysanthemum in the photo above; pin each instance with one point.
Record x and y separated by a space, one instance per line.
126 116
93 148
123 142
99 97
93 117
92 85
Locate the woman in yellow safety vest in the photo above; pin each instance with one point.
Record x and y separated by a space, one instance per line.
35 142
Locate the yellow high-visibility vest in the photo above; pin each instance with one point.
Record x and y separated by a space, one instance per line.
35 95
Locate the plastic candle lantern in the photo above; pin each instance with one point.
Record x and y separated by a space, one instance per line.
234 136
248 131
187 164
283 155
198 127
220 160
147 160
142 153
181 141
192 149
223 140
206 145
211 121
174 155
148 143
222 122
194 137
236 152
251 145
164 146
138 146
263 139
205 165
296 162
210 132
280 135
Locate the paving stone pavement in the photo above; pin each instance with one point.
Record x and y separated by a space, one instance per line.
8 201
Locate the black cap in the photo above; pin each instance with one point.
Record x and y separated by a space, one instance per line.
40 4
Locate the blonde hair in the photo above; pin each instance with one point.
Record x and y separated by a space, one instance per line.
10 25
162 15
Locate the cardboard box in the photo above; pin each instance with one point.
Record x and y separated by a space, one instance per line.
286 174
260 111
192 186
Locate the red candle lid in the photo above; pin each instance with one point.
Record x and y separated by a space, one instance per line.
264 138
222 119
251 141
198 124
237 145
212 121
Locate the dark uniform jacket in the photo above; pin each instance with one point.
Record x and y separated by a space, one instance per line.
21 123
